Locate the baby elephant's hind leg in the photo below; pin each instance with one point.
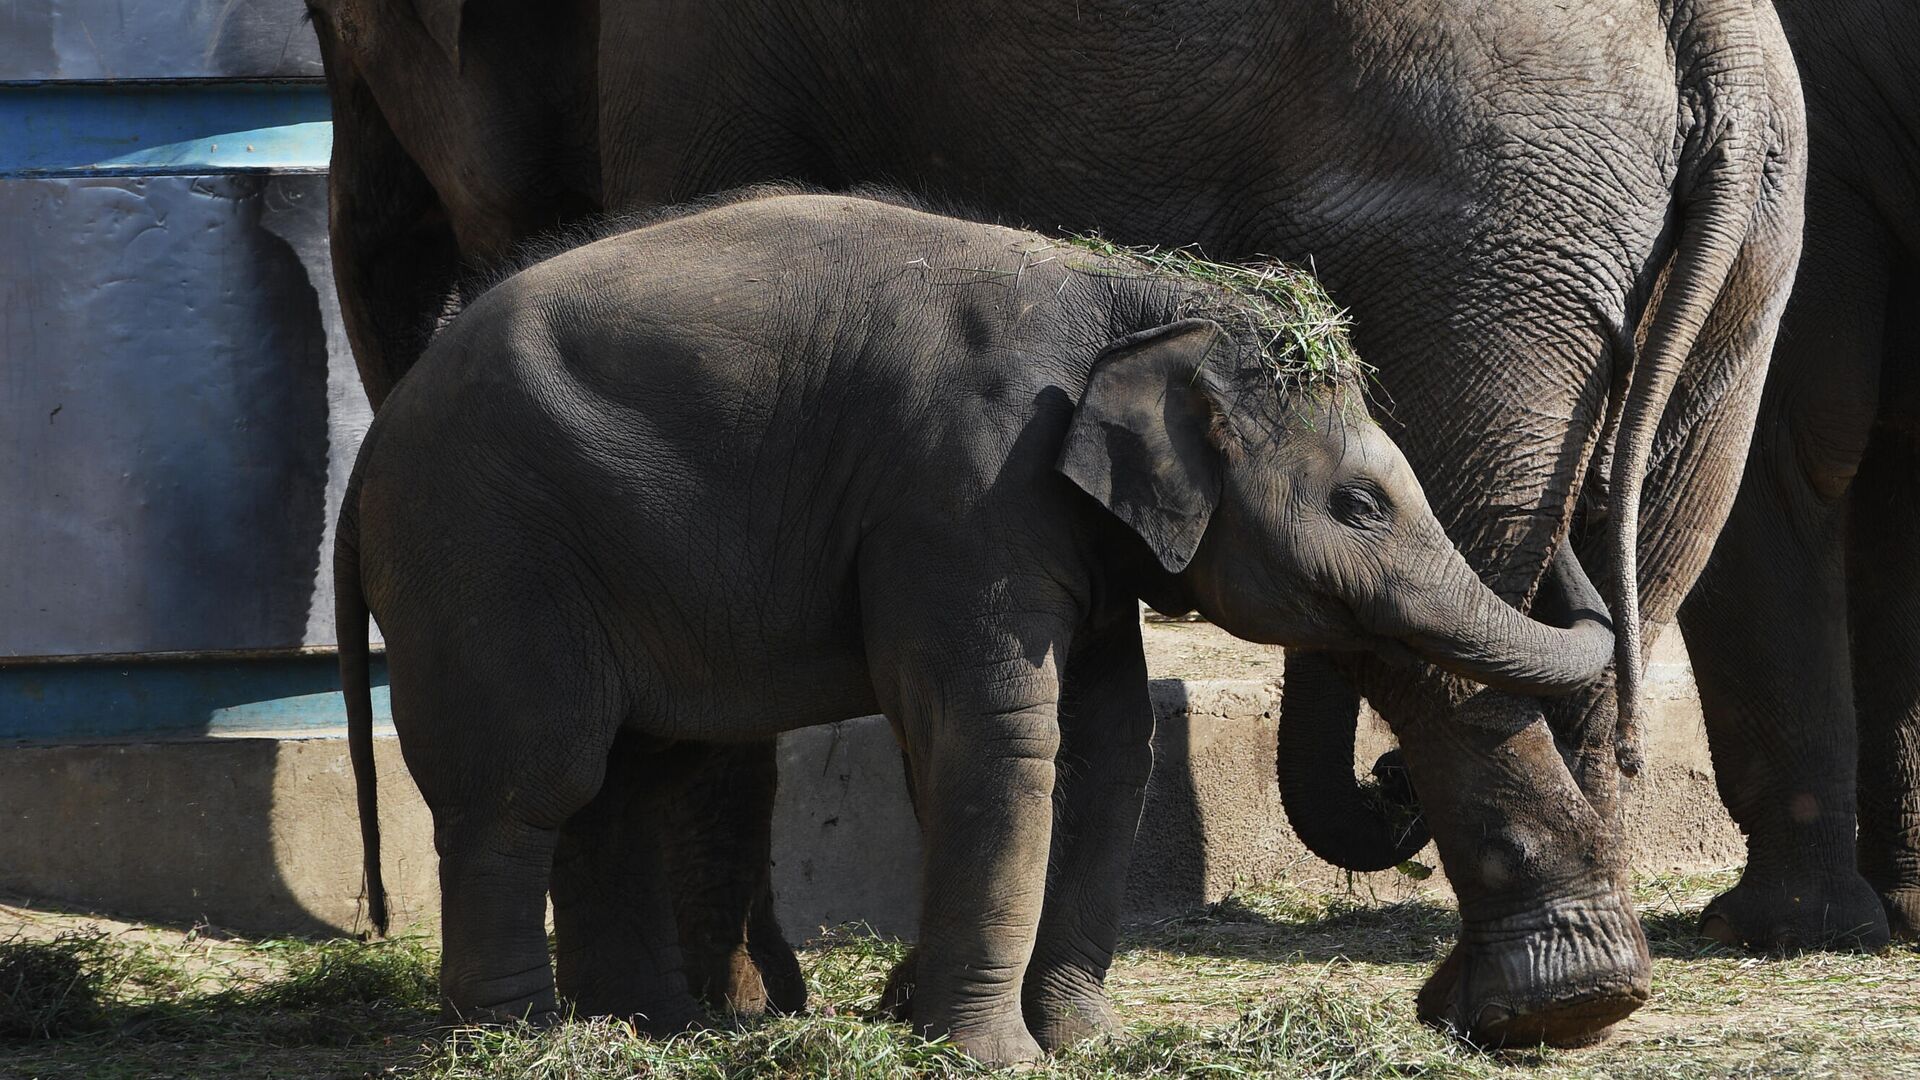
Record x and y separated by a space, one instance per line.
499 784
613 914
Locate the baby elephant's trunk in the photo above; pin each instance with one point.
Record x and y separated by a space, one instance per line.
1480 636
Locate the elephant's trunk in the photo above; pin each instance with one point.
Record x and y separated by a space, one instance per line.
1466 628
1358 827
1373 827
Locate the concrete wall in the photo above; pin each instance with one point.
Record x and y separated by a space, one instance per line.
260 833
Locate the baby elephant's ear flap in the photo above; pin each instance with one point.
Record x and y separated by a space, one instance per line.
1142 438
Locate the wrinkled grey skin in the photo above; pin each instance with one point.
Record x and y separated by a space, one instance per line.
1805 629
802 458
460 134
1494 190
457 135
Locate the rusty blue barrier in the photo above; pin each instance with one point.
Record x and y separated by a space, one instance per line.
178 407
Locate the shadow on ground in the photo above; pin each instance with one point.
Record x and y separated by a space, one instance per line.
1280 926
1307 927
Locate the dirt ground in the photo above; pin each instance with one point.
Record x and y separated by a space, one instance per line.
1276 982
1199 650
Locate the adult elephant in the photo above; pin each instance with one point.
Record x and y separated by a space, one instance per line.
461 131
1805 628
1536 213
1496 191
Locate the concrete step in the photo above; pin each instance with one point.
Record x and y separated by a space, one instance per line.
260 834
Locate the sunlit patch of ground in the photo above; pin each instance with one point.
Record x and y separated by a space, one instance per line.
1275 982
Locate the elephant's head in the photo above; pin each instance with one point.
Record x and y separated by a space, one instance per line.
1288 517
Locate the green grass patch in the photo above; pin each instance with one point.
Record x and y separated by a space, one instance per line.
57 987
399 972
1313 1031
88 1004
814 1046
1272 982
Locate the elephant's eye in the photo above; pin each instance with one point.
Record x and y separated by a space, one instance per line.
1359 506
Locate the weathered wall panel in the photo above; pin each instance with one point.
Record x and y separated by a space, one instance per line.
156 39
178 407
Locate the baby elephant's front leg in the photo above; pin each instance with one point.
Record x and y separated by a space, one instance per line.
1106 722
985 781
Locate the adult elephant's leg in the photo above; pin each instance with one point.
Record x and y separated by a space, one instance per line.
1106 753
719 835
1766 630
1883 572
395 257
613 917
1766 625
1549 950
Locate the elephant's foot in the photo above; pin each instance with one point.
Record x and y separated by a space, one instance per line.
752 980
1790 914
747 979
1903 913
896 998
1002 1040
1066 1008
999 1040
1561 976
731 983
780 975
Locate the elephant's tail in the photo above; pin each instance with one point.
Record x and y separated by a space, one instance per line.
350 623
1722 73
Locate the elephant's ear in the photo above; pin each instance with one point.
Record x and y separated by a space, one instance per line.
442 19
1142 438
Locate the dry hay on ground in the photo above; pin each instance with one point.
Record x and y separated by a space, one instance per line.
1273 982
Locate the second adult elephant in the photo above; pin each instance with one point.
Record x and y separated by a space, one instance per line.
1805 629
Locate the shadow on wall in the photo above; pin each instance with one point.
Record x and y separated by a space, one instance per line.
180 417
1169 869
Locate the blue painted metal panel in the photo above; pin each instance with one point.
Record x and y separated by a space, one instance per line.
177 697
156 39
160 129
178 414
178 406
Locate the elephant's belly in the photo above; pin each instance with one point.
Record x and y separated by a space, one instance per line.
742 701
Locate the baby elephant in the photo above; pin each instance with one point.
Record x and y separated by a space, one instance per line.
799 458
